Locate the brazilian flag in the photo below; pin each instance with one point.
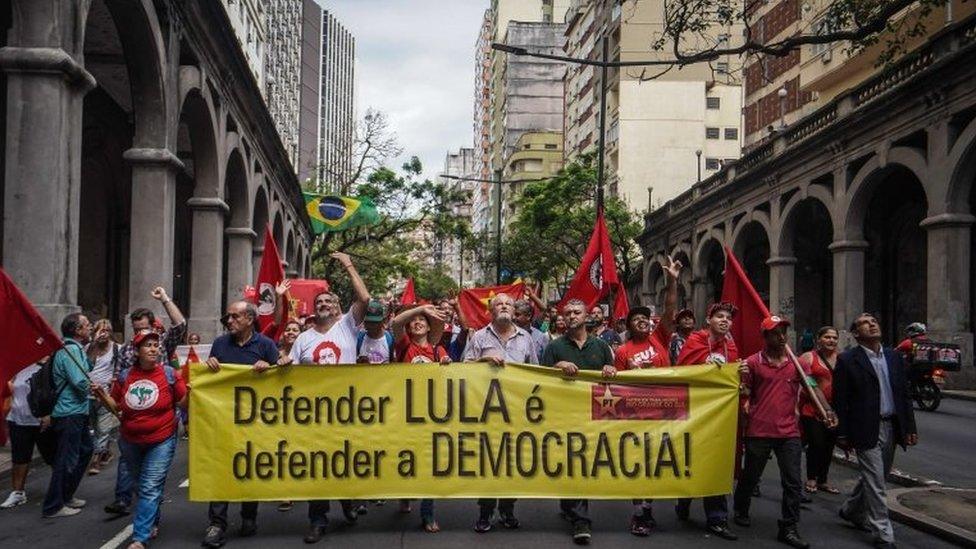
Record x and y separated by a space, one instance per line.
338 213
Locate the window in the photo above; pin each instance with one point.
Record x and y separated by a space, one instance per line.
527 146
712 133
551 146
713 103
712 164
732 134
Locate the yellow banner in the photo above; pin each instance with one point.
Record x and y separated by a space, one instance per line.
463 430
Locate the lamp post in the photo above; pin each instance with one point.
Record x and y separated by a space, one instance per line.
698 154
782 93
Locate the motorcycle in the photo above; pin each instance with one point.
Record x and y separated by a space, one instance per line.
925 386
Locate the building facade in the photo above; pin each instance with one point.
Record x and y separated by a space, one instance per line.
139 155
661 129
283 69
248 20
337 108
310 92
865 204
459 262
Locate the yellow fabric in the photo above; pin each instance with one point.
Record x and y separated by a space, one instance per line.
516 431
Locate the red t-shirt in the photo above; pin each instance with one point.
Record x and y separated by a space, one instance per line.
825 380
653 349
774 391
148 412
408 351
699 349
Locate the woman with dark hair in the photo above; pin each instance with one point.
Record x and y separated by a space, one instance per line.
818 438
103 353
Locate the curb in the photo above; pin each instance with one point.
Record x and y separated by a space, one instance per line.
926 523
960 395
895 476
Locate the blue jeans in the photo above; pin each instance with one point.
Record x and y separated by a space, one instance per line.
73 454
124 483
149 464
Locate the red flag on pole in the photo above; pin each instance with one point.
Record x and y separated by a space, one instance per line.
25 336
597 273
473 303
738 290
270 275
409 296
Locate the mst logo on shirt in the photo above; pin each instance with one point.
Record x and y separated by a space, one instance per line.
326 352
141 395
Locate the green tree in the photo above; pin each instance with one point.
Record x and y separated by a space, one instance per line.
554 220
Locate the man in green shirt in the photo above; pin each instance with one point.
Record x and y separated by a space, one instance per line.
578 350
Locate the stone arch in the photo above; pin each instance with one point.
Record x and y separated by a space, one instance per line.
751 246
872 173
278 230
803 250
682 252
709 271
715 234
291 253
782 240
259 222
238 235
962 174
753 216
236 190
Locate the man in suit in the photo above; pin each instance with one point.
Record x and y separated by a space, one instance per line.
875 413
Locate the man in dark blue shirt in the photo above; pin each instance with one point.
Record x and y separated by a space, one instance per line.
242 344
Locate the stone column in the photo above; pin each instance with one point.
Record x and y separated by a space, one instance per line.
948 282
848 283
781 290
699 297
151 244
207 264
256 258
42 174
240 254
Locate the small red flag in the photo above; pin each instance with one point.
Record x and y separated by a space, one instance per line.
409 295
269 276
303 292
25 336
738 290
597 273
473 303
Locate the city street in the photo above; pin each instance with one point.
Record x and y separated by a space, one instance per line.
945 434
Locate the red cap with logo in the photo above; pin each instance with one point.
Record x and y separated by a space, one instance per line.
143 335
773 322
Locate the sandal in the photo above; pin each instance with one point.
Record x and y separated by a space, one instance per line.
431 526
810 487
154 533
828 488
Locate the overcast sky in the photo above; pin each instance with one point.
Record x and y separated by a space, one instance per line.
415 62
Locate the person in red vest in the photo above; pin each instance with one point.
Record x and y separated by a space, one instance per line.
647 349
713 344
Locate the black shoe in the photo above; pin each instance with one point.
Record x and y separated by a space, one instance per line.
117 508
361 509
483 525
350 514
214 537
742 519
509 521
791 537
805 498
682 511
249 527
581 533
722 530
858 525
883 544
755 492
315 533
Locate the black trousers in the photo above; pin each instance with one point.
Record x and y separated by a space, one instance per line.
487 505
716 508
318 510
218 512
820 448
788 456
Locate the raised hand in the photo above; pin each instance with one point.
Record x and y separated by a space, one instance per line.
282 287
672 267
342 258
159 293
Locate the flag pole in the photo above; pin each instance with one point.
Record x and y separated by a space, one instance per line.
823 408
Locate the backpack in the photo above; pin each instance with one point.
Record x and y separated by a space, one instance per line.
361 336
43 395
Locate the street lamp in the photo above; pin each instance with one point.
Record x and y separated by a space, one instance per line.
782 93
698 154
497 180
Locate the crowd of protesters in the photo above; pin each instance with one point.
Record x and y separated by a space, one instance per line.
127 401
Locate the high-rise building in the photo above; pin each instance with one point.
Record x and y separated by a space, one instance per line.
337 110
310 90
660 130
283 70
247 17
460 262
482 125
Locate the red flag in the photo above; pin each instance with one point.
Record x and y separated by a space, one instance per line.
597 273
473 303
409 296
303 292
270 274
25 337
738 290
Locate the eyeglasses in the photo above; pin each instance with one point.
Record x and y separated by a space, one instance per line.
225 320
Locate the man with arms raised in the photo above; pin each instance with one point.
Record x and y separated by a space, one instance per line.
332 341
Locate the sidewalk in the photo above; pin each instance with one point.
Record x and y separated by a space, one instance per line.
949 513
960 395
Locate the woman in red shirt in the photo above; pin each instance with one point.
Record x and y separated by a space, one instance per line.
146 396
817 437
417 332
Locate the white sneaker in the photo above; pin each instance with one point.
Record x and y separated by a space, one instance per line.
75 503
64 512
17 497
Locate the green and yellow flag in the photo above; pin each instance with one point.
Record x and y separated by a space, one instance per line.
338 213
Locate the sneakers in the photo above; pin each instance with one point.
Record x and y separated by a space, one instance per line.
639 527
249 527
117 508
285 506
509 521
315 533
17 497
75 503
64 512
581 533
136 545
214 537
859 525
483 525
361 509
721 530
791 537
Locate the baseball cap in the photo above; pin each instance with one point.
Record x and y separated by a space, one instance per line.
375 311
142 335
640 310
773 322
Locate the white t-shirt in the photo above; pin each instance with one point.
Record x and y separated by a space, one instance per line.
101 373
375 350
19 409
337 346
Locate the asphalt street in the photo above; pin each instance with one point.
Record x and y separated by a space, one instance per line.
946 435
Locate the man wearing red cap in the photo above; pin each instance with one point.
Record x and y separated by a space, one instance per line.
714 345
771 386
646 349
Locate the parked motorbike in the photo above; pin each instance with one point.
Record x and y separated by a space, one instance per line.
925 384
